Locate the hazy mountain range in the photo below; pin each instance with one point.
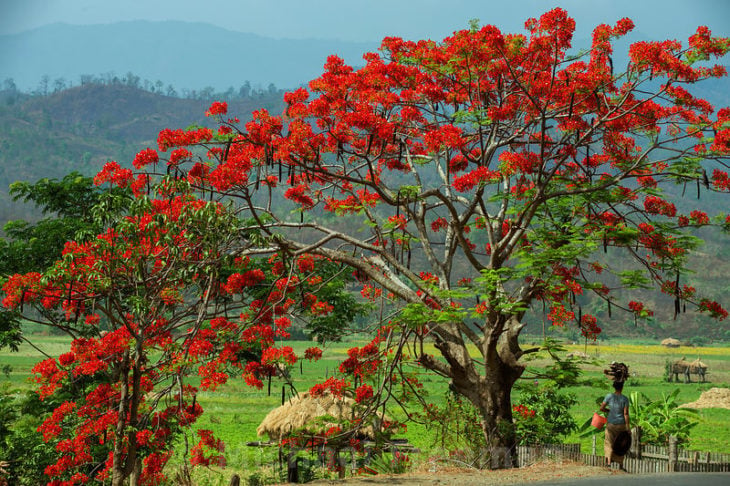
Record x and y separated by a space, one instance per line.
186 55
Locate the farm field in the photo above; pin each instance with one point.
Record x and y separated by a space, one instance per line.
234 410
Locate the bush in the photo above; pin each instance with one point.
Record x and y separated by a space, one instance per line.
543 415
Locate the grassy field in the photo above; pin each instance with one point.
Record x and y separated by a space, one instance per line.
234 411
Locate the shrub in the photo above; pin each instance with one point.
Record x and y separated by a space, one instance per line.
543 414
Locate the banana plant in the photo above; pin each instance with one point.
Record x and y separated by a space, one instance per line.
661 418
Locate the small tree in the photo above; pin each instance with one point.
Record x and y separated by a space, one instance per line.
165 291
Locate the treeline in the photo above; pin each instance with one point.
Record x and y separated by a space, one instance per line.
47 86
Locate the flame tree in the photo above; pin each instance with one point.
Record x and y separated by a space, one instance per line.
505 163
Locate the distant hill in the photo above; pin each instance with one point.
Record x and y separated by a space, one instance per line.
186 55
83 127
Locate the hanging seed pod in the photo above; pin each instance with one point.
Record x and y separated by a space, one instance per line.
570 107
609 308
279 171
301 217
610 65
698 188
408 265
605 243
397 204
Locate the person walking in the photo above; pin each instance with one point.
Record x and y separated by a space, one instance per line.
617 406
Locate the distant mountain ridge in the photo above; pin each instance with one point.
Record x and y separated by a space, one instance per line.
186 55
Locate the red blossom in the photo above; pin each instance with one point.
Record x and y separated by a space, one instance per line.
217 108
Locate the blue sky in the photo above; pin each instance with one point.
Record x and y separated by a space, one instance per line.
371 20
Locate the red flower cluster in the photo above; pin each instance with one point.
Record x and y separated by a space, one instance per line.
713 308
113 174
332 385
146 157
217 108
638 309
656 205
313 354
589 327
362 362
523 411
363 393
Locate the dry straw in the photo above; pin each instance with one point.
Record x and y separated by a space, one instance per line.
712 398
315 415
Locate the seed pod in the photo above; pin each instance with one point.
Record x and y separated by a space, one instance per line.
570 107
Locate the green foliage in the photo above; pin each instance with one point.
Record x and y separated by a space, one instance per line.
10 332
397 463
20 444
70 205
544 414
562 372
661 418
334 289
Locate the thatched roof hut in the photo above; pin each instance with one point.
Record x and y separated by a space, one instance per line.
314 415
671 343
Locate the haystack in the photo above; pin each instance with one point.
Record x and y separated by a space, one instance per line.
712 398
671 343
314 415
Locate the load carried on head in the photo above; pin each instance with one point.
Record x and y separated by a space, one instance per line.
617 372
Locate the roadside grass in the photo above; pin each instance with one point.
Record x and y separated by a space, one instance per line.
234 410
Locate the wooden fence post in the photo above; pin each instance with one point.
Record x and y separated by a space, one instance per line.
636 442
673 457
593 445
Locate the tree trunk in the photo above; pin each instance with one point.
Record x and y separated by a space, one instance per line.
118 469
489 391
494 404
